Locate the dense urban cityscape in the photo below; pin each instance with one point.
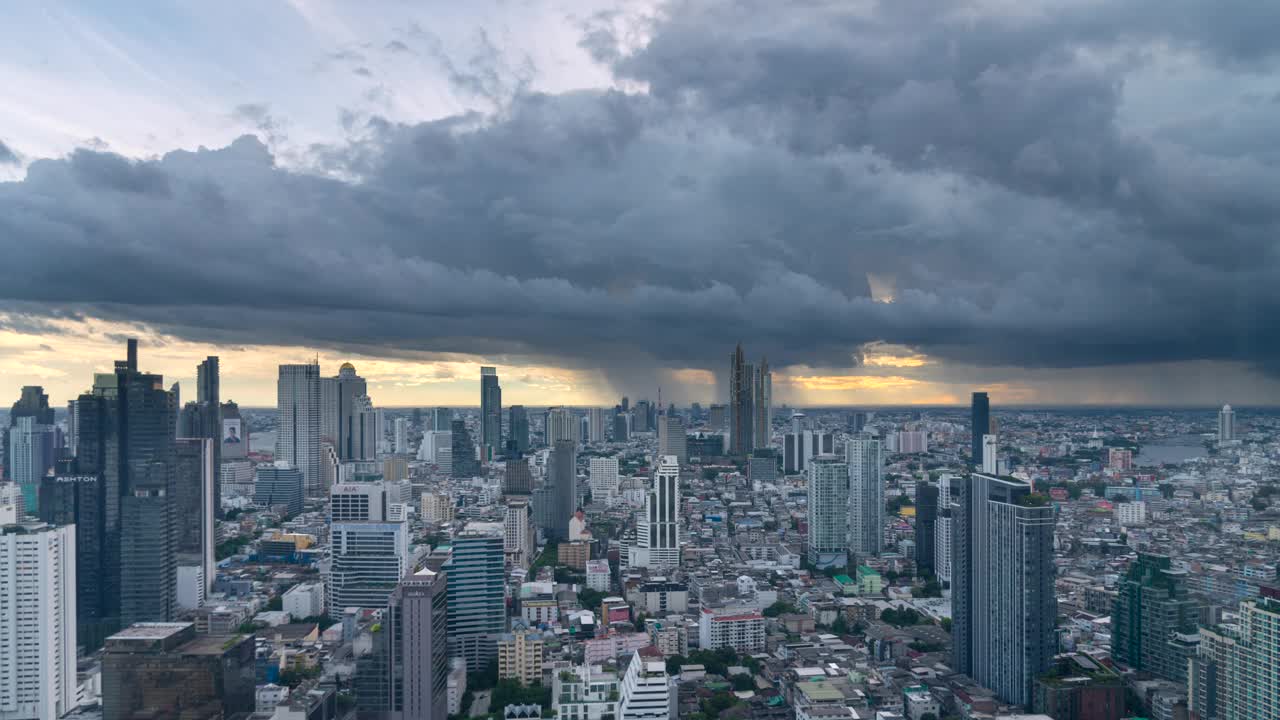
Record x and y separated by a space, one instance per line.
332 558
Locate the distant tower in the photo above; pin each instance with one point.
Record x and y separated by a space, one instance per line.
828 485
490 412
298 436
980 424
762 401
1226 424
658 526
741 395
865 458
990 456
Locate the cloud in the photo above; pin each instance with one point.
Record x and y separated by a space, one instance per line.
7 155
967 183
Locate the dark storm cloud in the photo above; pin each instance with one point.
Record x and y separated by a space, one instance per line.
976 162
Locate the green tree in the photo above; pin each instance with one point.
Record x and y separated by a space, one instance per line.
781 607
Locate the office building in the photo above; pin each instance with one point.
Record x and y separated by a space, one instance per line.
32 403
195 523
369 545
828 513
236 438
1226 424
595 425
646 689
433 443
621 427
78 500
440 419
463 458
205 421
640 417
658 525
477 608
762 404
401 436
1236 672
518 532
1152 608
298 427
518 428
562 481
30 456
1004 611
671 437
603 477
406 675
979 425
278 485
490 412
38 621
517 477
865 459
520 657
741 397
341 410
561 425
990 455
926 524
166 670
718 417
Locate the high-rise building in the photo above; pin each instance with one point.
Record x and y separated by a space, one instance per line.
718 417
278 485
490 412
561 425
857 421
369 546
658 526
78 500
209 408
166 670
401 436
562 466
518 428
762 403
1152 608
1235 673
603 477
518 532
800 445
517 478
520 657
621 427
741 397
406 677
341 422
926 526
640 418
194 478
646 689
433 442
298 428
38 614
828 512
1226 424
942 532
671 437
464 463
595 425
365 439
32 403
979 425
865 458
990 455
441 419
477 610
1003 605
30 457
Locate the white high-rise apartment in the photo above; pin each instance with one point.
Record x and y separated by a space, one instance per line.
518 541
604 478
658 527
990 454
865 458
402 436
298 430
646 689
943 530
595 425
828 510
30 456
37 621
1226 424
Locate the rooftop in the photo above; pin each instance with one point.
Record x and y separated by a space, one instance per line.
150 631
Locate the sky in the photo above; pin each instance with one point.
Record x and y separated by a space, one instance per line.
1058 201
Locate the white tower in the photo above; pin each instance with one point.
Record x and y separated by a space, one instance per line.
865 457
658 528
1226 424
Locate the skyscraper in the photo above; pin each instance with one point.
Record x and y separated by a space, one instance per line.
762 403
32 403
943 531
441 419
38 614
1234 676
990 463
209 406
979 425
828 515
1152 607
464 452
595 425
278 485
1003 605
369 546
298 429
799 445
1226 424
194 477
926 525
517 477
561 425
604 477
658 525
477 612
490 412
408 678
671 437
865 458
518 428
402 436
30 456
741 396
562 479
